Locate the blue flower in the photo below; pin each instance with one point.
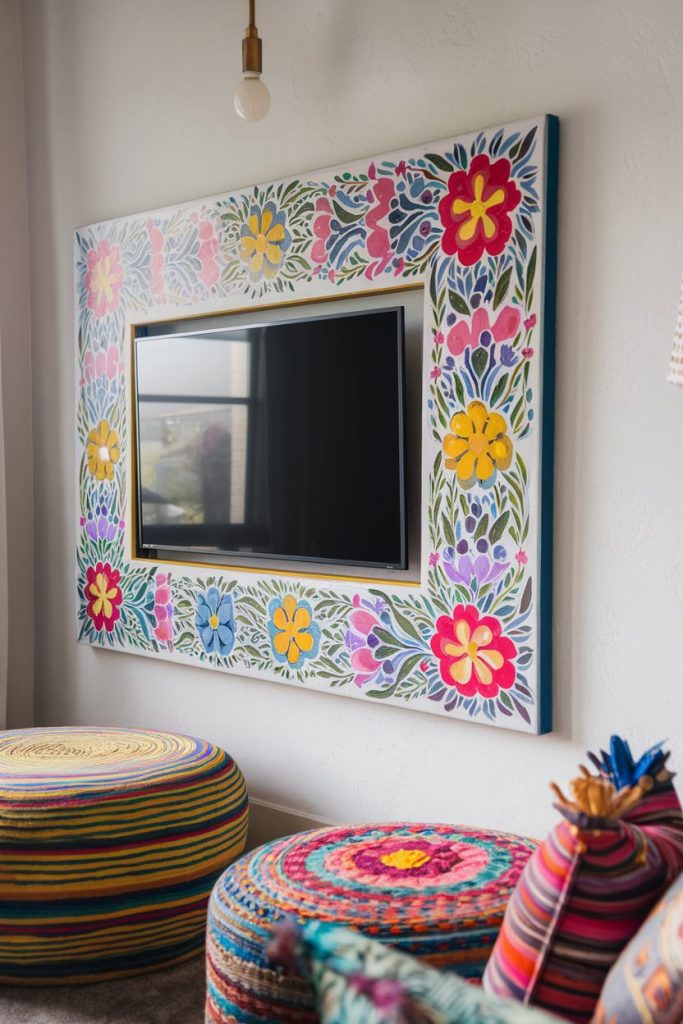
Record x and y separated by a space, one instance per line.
215 621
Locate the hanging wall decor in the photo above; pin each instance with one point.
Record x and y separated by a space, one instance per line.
473 220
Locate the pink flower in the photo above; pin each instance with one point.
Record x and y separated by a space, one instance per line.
378 244
433 559
114 366
372 171
156 264
103 278
481 331
97 364
435 373
521 557
163 610
527 353
424 664
208 252
321 228
361 642
530 322
401 168
398 266
438 338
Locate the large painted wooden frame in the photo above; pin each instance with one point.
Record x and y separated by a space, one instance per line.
473 220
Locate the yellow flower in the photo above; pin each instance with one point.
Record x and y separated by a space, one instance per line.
102 451
478 446
293 634
264 240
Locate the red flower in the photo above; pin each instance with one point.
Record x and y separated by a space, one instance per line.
475 211
103 594
473 656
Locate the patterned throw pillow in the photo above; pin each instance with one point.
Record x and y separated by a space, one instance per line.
360 981
645 986
582 896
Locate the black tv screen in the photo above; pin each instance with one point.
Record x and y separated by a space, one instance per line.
282 440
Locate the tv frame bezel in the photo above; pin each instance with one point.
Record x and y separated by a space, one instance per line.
144 551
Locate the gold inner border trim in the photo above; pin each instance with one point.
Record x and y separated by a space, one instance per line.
133 423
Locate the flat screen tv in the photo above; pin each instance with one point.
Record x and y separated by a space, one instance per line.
280 440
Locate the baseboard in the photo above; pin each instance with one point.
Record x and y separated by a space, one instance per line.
271 821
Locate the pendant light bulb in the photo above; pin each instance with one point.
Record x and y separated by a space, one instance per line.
252 98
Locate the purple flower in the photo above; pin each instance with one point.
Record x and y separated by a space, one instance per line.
101 524
507 355
463 568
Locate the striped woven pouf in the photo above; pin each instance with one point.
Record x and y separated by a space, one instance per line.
435 891
110 842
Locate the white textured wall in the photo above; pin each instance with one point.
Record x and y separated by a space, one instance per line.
17 608
129 107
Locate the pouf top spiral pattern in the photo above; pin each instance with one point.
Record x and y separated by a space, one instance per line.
436 891
110 842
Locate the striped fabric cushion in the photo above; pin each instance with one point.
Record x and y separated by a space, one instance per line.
582 896
110 842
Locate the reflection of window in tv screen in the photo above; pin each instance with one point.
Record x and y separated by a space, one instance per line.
281 439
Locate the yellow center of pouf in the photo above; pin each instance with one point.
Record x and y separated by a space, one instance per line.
404 860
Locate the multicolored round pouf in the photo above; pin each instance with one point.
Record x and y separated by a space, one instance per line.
435 891
110 842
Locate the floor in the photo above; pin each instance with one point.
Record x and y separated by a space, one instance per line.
174 996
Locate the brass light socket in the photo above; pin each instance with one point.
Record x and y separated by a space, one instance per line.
252 51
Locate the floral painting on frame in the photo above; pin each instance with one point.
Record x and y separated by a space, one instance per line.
471 218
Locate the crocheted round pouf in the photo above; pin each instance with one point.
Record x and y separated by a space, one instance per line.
110 842
435 891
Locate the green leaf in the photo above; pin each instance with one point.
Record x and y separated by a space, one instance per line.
448 531
523 147
530 274
482 527
498 528
498 390
480 358
344 215
432 289
382 694
526 598
458 303
384 652
502 287
387 638
408 666
406 625
439 162
459 389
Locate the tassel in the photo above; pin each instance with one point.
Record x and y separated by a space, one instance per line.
283 946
